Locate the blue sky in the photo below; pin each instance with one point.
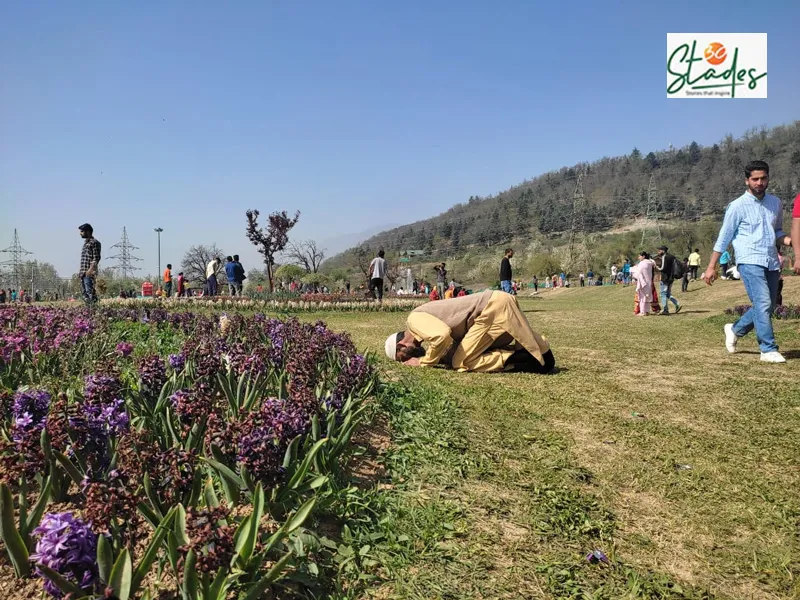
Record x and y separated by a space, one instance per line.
184 114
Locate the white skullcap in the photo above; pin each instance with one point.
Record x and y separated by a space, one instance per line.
391 346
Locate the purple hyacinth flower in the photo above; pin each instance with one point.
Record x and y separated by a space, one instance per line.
177 361
597 556
68 546
124 349
34 403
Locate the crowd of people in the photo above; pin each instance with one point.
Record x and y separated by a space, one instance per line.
752 226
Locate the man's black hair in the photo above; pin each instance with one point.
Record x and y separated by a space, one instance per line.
86 227
381 253
755 165
169 266
236 257
229 258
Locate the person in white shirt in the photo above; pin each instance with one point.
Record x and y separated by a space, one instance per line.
211 276
377 272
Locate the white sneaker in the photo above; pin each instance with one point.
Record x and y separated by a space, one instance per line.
731 339
772 357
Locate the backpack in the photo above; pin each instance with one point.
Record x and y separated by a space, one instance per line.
677 269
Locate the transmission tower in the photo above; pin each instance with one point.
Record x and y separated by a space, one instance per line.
15 263
125 259
578 250
651 232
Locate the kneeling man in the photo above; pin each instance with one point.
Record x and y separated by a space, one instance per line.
484 333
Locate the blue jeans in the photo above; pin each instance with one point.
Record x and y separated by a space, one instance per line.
212 285
762 289
666 295
87 286
505 285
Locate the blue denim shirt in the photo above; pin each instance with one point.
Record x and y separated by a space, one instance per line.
753 226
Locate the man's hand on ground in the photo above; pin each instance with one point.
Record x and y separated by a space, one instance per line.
709 276
412 362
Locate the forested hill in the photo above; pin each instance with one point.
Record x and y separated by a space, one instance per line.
691 182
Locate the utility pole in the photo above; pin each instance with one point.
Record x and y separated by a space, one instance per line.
15 263
158 230
651 232
578 250
126 259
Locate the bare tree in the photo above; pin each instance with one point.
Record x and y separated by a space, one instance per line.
392 273
363 257
271 241
306 254
197 258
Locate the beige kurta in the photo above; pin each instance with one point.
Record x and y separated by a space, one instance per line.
477 333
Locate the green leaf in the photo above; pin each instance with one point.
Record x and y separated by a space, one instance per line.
148 514
300 516
258 589
190 584
105 558
224 471
246 477
219 588
210 495
15 545
151 495
180 526
315 428
249 545
121 575
64 585
304 467
70 468
151 553
38 509
291 452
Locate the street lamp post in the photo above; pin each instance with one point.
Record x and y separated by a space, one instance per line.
158 230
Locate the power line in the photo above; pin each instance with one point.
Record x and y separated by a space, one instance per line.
15 263
125 259
578 250
651 233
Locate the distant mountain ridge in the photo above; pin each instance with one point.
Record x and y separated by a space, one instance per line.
691 182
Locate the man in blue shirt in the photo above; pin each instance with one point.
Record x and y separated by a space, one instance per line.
230 273
753 223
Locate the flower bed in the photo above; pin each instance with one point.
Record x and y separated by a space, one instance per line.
783 312
319 304
137 441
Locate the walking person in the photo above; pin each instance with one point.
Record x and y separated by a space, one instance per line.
90 259
441 278
643 274
582 279
377 272
535 284
666 266
754 224
211 276
181 289
685 278
694 263
168 281
505 271
724 261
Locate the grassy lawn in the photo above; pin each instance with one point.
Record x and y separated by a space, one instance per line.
651 443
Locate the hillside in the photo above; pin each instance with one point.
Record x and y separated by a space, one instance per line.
692 182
